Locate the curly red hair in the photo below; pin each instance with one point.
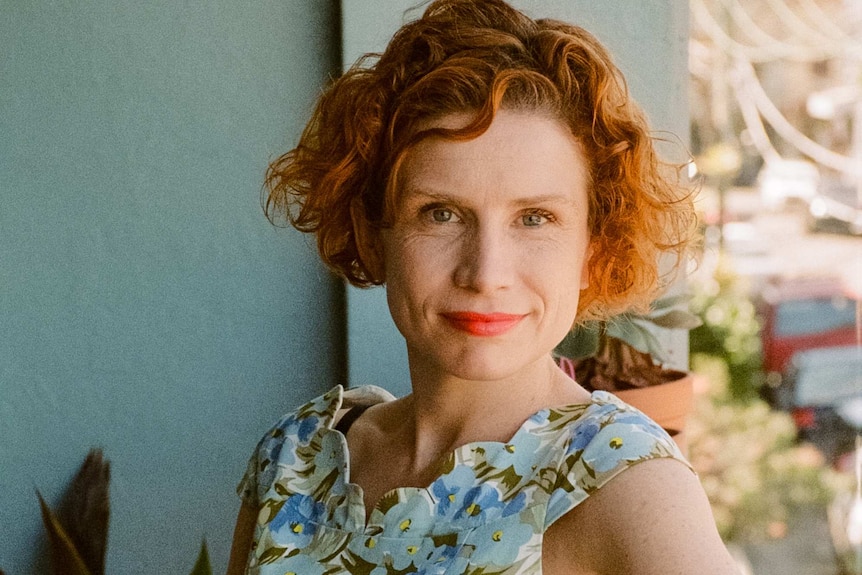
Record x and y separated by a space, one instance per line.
479 56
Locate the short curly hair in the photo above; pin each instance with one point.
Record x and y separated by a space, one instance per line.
480 56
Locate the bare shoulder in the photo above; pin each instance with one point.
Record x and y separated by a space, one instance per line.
653 518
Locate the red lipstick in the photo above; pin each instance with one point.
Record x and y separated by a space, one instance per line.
483 324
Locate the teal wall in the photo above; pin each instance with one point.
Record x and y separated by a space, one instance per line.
146 305
649 41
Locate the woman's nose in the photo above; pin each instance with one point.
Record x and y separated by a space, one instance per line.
486 261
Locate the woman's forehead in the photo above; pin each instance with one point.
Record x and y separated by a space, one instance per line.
521 155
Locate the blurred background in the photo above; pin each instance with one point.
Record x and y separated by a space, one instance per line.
776 131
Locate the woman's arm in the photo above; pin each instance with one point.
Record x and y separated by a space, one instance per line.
243 535
652 519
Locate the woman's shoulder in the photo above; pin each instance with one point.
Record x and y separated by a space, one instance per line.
602 440
654 518
631 496
296 430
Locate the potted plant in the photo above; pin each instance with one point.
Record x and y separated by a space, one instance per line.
624 356
78 530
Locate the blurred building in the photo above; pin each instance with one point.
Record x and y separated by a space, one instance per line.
779 79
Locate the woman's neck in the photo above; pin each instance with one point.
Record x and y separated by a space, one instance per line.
445 412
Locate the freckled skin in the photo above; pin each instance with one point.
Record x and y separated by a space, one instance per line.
494 224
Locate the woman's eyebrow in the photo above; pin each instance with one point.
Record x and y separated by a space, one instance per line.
521 202
545 199
424 193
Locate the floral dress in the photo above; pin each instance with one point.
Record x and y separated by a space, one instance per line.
485 514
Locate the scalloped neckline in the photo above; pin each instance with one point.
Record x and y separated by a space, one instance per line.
596 397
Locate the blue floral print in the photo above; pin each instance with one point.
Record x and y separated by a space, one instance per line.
409 516
499 543
629 441
299 564
582 436
486 514
450 491
443 559
480 504
296 523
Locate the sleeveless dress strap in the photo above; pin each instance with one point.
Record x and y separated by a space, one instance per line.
348 418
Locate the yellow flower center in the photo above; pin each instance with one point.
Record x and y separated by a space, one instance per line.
616 442
297 528
510 448
451 498
497 536
405 525
371 543
473 509
412 549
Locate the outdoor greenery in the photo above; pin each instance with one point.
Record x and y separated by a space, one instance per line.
730 331
754 471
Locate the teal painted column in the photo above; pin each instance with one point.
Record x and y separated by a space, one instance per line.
146 305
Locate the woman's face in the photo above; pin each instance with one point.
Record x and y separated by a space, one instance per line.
487 253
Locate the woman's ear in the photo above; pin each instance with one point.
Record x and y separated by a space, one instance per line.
367 239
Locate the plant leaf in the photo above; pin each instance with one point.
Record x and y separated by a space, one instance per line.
582 341
636 333
670 301
676 318
654 347
637 338
202 566
630 329
65 557
85 510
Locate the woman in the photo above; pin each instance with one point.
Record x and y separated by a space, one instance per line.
491 171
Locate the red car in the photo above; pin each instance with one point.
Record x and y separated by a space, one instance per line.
802 314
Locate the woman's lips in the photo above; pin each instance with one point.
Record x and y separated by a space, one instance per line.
483 324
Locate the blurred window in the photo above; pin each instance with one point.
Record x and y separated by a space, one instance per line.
799 317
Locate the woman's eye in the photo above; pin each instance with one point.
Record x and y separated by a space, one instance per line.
533 220
442 216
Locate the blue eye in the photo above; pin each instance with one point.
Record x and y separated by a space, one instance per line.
442 216
533 220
